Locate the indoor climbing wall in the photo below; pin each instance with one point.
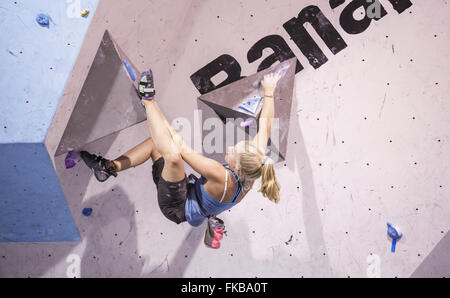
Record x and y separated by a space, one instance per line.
35 62
367 142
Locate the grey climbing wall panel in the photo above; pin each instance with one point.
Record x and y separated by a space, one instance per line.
225 102
108 101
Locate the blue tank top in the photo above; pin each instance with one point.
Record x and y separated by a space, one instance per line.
196 191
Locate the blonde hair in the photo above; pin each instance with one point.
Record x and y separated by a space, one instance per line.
255 165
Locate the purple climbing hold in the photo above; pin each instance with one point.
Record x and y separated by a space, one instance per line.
248 123
72 159
282 71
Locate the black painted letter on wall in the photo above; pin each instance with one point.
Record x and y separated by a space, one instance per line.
281 52
202 78
304 41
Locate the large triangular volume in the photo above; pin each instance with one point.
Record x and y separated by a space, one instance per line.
108 101
241 99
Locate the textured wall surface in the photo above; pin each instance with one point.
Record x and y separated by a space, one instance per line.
33 206
368 143
35 63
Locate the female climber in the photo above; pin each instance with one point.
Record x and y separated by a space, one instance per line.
221 186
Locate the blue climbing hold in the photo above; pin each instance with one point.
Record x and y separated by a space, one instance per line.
130 70
43 20
87 211
394 233
251 104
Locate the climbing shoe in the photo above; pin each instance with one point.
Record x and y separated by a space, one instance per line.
146 87
101 166
214 232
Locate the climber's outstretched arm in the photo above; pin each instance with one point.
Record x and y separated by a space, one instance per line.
269 84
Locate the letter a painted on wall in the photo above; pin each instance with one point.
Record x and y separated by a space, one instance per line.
240 99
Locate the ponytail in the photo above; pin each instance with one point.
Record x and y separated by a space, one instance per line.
269 185
255 164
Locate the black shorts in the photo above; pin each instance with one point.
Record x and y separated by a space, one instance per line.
171 195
